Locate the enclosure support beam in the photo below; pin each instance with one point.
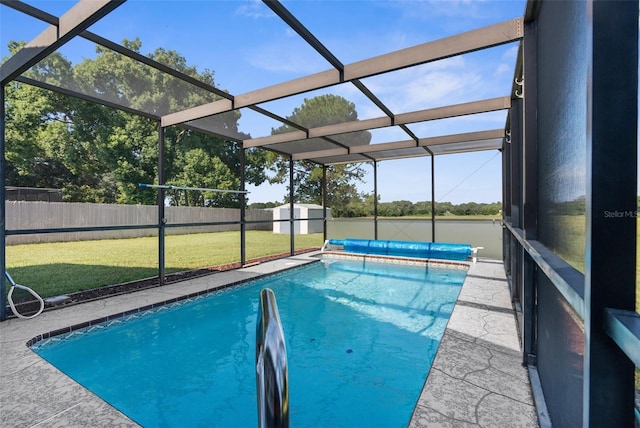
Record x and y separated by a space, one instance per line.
515 197
529 210
456 110
324 203
471 41
161 218
3 261
433 197
243 202
506 206
524 278
80 17
292 226
375 200
494 136
612 122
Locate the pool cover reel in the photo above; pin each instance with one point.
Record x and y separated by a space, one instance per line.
426 250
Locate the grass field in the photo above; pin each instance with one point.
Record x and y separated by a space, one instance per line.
494 217
63 267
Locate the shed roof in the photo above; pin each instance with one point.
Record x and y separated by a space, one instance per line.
308 206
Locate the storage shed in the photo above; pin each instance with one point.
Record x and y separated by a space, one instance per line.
312 214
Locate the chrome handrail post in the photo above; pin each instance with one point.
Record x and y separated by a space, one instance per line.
272 378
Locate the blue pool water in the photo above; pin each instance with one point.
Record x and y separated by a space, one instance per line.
360 341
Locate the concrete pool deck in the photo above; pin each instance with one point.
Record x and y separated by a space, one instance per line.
477 379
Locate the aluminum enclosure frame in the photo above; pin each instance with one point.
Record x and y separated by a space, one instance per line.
603 296
599 300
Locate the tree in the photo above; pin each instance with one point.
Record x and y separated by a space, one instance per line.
123 80
469 208
396 209
24 109
50 138
210 172
422 208
444 208
491 209
307 177
98 154
359 208
263 205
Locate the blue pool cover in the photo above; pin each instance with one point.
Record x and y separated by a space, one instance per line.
425 250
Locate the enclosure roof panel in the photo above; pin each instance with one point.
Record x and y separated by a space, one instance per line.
446 144
284 55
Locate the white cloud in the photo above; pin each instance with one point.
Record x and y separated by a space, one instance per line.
426 86
508 58
285 57
455 8
439 8
504 69
254 9
511 54
455 125
437 88
290 32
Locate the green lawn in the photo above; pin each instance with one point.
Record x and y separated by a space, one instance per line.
571 247
64 267
494 217
58 268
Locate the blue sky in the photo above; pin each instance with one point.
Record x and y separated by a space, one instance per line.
248 48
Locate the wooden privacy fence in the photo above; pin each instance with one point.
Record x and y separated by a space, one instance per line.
23 215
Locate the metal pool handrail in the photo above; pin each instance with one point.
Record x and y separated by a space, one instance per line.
272 375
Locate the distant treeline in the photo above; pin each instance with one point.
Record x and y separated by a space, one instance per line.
405 208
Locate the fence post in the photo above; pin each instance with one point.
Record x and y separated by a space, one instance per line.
161 218
3 261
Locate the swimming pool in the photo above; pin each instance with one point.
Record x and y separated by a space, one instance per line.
360 339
